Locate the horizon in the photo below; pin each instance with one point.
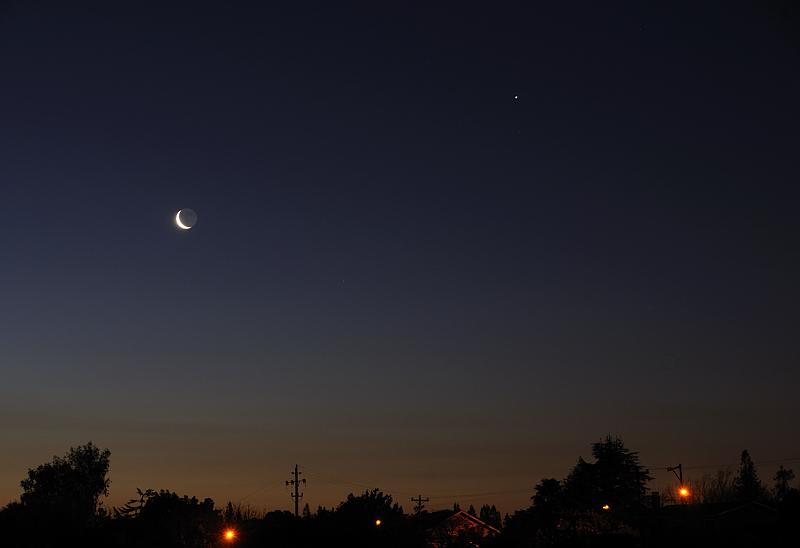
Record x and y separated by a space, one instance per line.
275 489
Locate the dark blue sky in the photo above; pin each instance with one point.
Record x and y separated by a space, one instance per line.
441 248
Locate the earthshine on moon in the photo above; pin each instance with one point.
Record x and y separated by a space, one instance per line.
186 218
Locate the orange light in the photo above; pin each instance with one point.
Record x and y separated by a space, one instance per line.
377 522
229 534
684 492
606 507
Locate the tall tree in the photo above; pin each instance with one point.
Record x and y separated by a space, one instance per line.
782 479
69 488
616 479
748 486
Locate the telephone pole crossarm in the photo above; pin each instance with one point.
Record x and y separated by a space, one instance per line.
419 500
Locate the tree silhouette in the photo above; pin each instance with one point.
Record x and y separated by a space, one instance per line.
708 488
69 488
547 493
782 479
615 479
547 504
748 486
491 515
166 519
60 501
368 507
363 520
714 488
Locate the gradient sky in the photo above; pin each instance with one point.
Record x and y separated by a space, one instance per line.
441 248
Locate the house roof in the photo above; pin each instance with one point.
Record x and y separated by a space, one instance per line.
462 516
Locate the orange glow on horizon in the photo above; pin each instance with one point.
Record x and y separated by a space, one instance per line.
684 492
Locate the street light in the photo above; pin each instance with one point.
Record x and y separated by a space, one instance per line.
682 490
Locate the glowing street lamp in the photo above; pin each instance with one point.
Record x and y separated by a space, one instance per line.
682 490
230 534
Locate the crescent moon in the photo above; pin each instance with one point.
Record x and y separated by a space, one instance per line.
180 224
186 218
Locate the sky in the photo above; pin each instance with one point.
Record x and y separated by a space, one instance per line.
441 248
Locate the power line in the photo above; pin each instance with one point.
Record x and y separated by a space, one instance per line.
332 479
339 481
489 494
277 480
719 466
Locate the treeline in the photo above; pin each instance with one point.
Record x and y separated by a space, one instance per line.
724 485
60 506
609 498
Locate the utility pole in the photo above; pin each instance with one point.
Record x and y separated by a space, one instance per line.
419 502
296 495
679 469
